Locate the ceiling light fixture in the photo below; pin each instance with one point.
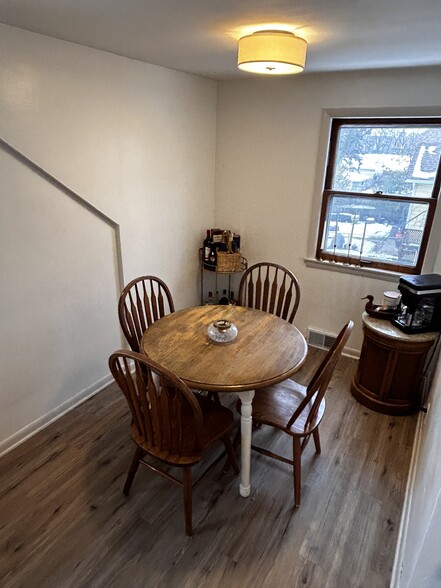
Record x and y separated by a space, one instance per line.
272 53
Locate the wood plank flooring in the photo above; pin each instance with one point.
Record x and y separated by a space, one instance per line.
64 521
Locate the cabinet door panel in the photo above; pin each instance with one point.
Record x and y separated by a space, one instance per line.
406 377
374 368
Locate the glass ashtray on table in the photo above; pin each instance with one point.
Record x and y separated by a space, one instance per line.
222 331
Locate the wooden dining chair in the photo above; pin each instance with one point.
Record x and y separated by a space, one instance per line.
143 301
298 410
272 288
169 423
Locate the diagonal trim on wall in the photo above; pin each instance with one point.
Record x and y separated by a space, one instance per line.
55 413
79 199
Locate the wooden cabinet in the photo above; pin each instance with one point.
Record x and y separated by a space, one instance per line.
391 366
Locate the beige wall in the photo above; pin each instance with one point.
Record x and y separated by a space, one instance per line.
135 141
268 163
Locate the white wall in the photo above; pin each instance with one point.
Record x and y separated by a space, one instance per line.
419 557
268 148
135 141
58 290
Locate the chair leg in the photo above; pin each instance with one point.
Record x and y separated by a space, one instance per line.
236 443
139 453
316 435
231 455
188 500
236 438
297 452
214 396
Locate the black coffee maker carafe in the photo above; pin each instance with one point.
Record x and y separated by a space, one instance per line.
420 310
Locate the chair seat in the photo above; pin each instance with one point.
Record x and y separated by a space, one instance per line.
217 421
276 404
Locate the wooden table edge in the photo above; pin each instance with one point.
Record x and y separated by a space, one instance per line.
225 389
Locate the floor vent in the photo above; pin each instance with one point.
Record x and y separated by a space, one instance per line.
319 339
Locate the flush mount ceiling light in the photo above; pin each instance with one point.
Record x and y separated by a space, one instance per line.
272 53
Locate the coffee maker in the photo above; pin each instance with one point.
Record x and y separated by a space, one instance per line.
420 310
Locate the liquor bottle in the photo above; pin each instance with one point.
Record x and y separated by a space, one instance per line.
232 299
216 235
210 299
207 246
224 298
212 260
236 241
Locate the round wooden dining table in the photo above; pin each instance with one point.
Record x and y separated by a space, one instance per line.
266 350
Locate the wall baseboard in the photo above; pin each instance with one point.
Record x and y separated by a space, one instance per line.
354 353
405 515
53 415
324 340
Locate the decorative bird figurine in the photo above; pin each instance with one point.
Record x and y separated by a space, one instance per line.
370 302
378 311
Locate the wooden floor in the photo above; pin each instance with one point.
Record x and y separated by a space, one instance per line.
65 522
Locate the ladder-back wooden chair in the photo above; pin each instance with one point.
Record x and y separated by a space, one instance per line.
298 410
272 288
169 422
143 301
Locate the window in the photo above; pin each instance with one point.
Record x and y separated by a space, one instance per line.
381 189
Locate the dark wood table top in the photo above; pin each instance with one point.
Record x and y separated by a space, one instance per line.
266 350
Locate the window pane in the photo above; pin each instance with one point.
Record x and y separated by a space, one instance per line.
374 229
396 160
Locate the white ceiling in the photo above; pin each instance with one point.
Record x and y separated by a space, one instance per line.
200 36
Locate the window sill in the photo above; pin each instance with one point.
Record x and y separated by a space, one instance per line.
365 272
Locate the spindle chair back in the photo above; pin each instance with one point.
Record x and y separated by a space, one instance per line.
272 288
143 301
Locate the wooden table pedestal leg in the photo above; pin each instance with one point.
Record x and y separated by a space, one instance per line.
245 433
